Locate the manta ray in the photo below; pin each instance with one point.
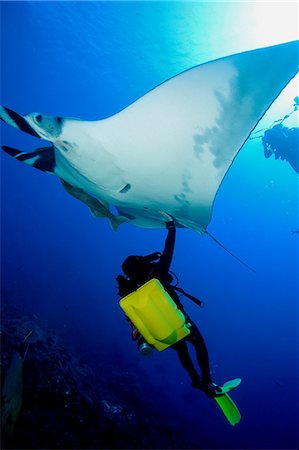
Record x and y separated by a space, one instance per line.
167 153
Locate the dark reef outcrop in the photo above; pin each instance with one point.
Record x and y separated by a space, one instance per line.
68 405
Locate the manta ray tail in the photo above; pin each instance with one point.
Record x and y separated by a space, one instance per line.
228 251
42 158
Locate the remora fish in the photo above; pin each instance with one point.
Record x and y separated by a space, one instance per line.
170 150
97 208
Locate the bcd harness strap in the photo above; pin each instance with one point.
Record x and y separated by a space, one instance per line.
191 297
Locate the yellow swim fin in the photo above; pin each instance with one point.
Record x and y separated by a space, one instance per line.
229 408
229 385
226 404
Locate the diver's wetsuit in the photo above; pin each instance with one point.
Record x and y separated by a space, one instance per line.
160 270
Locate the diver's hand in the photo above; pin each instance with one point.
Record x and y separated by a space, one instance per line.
168 219
120 279
170 225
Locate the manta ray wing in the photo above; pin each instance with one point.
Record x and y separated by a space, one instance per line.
170 150
179 140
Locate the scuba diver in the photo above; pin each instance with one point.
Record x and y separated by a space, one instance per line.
139 270
283 143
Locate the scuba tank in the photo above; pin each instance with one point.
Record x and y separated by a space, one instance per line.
145 349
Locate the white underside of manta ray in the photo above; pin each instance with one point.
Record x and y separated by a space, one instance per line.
168 151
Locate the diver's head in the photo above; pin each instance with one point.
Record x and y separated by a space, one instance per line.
136 267
132 266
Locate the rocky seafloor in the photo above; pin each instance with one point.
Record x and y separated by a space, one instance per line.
66 404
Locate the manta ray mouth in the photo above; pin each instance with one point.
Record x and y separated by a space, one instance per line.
17 121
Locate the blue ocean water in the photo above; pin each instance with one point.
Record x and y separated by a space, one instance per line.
90 60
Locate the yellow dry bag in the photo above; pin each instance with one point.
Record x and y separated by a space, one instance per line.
155 315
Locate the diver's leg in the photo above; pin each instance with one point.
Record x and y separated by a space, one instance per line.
195 337
197 340
185 360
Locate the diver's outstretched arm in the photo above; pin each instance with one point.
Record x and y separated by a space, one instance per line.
166 257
